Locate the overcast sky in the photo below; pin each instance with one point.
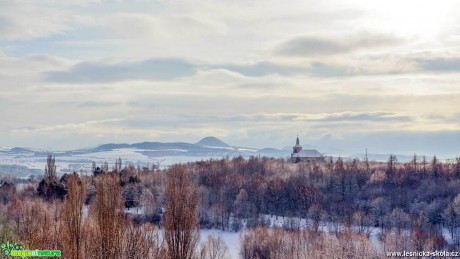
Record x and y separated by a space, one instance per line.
349 75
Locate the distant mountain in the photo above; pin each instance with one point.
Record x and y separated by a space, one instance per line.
143 154
148 153
111 146
20 150
212 142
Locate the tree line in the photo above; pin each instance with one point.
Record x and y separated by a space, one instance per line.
90 216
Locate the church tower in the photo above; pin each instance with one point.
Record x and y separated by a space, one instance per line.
297 148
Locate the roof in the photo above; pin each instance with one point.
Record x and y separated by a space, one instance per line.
308 153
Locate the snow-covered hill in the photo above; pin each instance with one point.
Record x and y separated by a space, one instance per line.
144 154
22 162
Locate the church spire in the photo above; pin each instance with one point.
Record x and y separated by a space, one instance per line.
297 148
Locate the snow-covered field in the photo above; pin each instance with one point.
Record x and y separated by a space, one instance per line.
30 163
233 239
83 162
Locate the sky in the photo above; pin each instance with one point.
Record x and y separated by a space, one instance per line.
343 75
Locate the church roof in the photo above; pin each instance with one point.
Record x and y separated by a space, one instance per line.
308 153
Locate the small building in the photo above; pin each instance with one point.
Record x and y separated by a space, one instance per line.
305 155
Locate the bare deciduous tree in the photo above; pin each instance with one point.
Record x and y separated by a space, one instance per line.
143 241
50 168
181 223
110 215
73 218
214 248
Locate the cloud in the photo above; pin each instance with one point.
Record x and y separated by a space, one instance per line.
273 117
169 68
32 63
306 46
98 72
262 69
19 73
441 64
374 65
66 126
329 70
442 143
98 104
363 116
164 122
142 26
318 69
356 67
30 19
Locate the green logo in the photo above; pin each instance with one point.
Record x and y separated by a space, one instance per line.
15 250
8 247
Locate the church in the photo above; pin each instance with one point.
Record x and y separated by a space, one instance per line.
306 155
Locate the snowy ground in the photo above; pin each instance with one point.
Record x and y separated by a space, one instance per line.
232 239
83 162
